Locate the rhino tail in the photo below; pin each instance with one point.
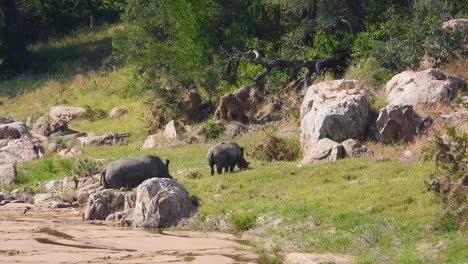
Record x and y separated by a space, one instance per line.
103 181
167 163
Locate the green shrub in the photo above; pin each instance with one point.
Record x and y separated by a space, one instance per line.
370 73
85 167
276 148
213 130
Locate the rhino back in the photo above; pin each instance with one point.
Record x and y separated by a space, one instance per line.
225 154
127 172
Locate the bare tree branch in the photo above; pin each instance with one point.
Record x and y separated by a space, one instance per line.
314 67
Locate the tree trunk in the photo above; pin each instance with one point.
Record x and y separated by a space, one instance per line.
15 42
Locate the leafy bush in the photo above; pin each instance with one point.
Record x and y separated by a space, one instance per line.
85 167
213 129
276 148
449 152
369 72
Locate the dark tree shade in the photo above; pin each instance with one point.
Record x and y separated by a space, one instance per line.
13 45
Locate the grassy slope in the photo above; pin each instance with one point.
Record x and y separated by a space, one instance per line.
373 210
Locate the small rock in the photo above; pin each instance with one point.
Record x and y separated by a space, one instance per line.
325 150
7 174
103 203
117 112
108 138
150 142
353 148
66 112
171 131
22 195
71 152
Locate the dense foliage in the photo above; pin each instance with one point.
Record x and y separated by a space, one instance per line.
180 43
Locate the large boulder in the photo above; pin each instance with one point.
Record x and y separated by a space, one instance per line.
161 203
456 24
66 112
325 150
7 174
14 130
396 122
337 109
103 203
425 88
18 150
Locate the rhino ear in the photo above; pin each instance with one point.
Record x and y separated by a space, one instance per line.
167 163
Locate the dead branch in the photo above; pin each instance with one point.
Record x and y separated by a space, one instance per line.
314 68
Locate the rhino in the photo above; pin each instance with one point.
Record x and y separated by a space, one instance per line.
131 172
227 156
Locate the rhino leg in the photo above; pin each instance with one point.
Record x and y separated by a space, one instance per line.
212 170
231 167
219 169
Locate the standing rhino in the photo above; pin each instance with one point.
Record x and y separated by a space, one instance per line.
131 172
226 156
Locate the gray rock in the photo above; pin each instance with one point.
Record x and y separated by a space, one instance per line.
130 200
353 148
14 130
7 174
171 130
5 120
84 193
150 142
325 150
117 112
18 150
457 24
66 112
108 138
396 122
337 109
22 195
161 203
425 88
52 147
103 203
44 128
70 152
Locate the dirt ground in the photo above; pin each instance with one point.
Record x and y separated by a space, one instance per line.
43 235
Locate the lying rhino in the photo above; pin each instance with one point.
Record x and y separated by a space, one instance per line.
131 172
226 156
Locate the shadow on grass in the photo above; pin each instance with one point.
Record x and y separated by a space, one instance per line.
60 63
